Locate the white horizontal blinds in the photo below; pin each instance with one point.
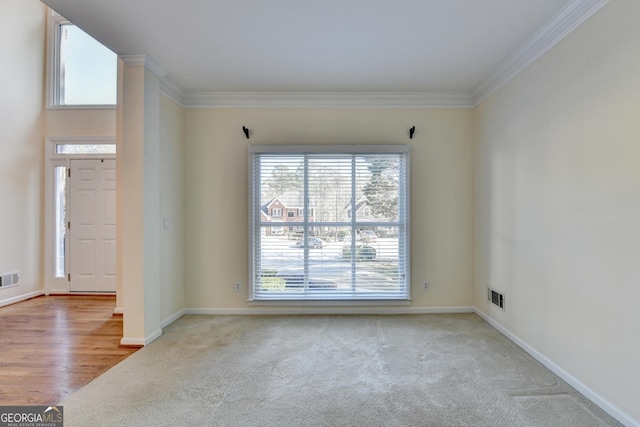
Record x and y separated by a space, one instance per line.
379 225
329 194
329 226
279 192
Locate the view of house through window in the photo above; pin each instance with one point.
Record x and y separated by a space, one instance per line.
344 234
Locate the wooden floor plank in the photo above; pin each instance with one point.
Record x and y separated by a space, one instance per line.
52 346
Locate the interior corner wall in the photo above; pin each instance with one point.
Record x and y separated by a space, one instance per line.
171 209
22 43
557 205
216 216
119 309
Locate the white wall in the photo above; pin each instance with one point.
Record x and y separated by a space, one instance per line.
216 251
171 208
22 47
557 201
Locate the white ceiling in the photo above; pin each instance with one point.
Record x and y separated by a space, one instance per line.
355 46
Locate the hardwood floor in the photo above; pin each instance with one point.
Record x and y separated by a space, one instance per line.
52 346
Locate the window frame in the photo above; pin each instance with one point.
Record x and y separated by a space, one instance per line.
54 22
254 219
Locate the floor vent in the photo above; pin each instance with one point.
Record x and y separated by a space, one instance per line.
9 279
496 298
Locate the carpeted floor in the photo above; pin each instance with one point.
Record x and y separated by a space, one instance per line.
410 370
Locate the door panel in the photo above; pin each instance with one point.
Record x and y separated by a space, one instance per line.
92 232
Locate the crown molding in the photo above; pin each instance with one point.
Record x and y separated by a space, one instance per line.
172 91
328 100
133 60
563 23
145 61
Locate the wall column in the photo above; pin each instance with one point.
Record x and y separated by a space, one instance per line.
138 174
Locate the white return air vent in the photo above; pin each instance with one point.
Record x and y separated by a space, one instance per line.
496 298
9 279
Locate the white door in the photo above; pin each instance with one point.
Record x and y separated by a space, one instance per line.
92 225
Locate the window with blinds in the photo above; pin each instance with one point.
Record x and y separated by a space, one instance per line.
329 223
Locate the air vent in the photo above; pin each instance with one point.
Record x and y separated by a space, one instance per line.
496 298
9 279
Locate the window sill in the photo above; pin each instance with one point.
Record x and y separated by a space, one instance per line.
81 107
329 303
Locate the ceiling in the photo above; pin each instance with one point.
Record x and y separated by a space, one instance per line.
455 47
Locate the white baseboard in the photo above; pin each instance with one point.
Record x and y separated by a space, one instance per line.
155 335
169 320
118 310
20 298
82 294
609 408
329 310
134 341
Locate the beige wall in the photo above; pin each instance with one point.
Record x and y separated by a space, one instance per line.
77 122
171 208
557 197
216 251
22 47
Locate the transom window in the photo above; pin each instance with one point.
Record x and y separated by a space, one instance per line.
85 149
351 239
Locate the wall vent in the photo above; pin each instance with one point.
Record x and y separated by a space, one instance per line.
9 279
496 298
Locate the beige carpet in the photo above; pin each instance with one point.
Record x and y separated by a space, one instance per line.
411 370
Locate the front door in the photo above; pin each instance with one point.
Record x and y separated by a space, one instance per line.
92 225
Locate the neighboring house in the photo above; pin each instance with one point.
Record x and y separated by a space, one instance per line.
288 208
363 212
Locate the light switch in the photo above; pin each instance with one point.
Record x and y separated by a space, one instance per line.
165 223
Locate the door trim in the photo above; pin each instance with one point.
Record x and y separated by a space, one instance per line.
52 284
91 213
